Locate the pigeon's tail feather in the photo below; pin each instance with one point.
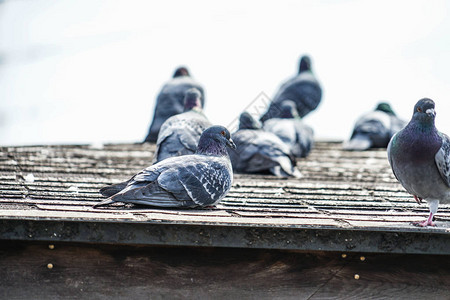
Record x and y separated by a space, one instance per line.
287 167
296 173
110 190
358 143
280 172
104 203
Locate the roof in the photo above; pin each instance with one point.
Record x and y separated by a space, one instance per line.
345 201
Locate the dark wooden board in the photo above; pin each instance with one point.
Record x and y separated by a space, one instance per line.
125 272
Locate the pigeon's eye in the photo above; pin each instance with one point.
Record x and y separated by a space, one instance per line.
222 133
419 109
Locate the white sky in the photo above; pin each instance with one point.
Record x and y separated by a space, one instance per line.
84 71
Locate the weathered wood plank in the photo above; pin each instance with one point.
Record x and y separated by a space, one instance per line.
113 272
339 189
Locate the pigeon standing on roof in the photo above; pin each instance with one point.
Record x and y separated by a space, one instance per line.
420 158
258 151
303 89
291 129
170 100
179 134
374 129
197 180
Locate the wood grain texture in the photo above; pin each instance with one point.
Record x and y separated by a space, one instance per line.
118 272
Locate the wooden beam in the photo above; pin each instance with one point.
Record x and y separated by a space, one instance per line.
34 271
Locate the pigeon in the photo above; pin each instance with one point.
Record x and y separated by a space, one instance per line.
420 158
258 151
291 129
179 134
374 129
303 89
197 180
170 100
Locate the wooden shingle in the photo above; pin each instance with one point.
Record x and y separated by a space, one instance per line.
345 201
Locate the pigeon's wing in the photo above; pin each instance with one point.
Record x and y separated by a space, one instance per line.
252 153
304 90
149 194
145 188
138 188
167 105
245 149
272 146
170 102
372 129
388 150
176 144
205 180
144 177
160 151
305 137
258 151
189 140
280 153
260 162
193 128
283 128
308 99
442 159
180 134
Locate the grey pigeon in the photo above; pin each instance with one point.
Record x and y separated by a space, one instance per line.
258 151
374 129
303 89
291 130
179 134
170 100
420 158
196 180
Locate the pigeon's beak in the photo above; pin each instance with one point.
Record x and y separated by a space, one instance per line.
231 144
431 112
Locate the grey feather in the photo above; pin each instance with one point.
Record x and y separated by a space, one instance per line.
420 159
303 89
196 180
180 134
259 151
374 130
292 130
442 159
170 102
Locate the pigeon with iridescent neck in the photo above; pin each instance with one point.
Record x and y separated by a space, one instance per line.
303 89
179 134
374 129
420 158
197 180
291 129
170 100
258 151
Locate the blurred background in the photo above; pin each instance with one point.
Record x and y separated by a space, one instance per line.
89 71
